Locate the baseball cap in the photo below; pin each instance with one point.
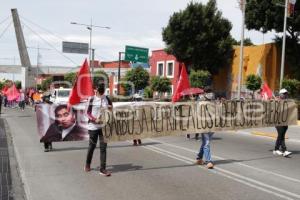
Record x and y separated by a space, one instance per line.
282 91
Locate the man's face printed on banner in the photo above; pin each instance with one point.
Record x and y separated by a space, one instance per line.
64 118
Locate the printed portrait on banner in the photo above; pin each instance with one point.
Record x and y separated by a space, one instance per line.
59 123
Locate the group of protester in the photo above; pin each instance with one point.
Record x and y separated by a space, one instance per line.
65 124
205 150
12 97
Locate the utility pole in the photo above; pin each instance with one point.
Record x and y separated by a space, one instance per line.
38 48
283 45
91 50
119 72
92 62
243 8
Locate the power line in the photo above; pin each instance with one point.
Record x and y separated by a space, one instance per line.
5 30
5 20
49 44
46 30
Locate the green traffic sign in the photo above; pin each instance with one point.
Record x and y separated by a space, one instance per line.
136 54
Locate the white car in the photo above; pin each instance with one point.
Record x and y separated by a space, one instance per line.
60 96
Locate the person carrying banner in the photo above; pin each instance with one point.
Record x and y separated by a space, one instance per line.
206 137
281 131
97 104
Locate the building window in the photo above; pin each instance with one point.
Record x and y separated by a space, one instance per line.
107 91
115 91
160 69
170 69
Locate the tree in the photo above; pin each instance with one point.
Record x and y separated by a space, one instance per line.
266 15
70 77
2 84
46 83
160 84
199 36
200 78
292 86
138 77
247 42
18 84
148 92
101 77
253 83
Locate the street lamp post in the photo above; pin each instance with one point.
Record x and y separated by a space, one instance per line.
283 45
119 72
243 6
91 50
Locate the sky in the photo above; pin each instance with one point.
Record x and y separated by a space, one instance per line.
139 23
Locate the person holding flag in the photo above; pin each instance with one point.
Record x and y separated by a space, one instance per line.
97 101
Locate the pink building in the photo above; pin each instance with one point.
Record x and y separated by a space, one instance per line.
165 65
111 68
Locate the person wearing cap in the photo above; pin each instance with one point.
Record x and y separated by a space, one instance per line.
280 147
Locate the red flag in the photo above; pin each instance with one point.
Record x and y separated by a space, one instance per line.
4 89
12 93
266 93
83 87
183 84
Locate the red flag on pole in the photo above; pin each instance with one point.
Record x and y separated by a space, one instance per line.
266 93
183 84
83 87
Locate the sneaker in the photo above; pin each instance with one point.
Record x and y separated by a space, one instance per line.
104 172
46 150
210 165
199 162
277 152
139 141
286 153
87 168
134 143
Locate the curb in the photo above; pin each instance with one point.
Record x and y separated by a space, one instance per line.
16 172
265 134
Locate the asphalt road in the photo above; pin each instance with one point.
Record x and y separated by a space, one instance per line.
162 168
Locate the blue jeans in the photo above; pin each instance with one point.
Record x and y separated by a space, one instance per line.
205 147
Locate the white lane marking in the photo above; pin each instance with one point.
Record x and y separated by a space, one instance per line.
241 164
234 176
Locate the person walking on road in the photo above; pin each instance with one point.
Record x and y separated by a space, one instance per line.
206 139
22 101
280 147
205 151
94 112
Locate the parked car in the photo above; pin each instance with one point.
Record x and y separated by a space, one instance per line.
60 95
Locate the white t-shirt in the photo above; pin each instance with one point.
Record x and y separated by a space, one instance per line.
99 104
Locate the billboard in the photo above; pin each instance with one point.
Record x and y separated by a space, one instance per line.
75 47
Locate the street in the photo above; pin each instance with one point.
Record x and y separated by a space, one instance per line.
162 168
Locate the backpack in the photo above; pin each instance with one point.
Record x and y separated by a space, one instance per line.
89 110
